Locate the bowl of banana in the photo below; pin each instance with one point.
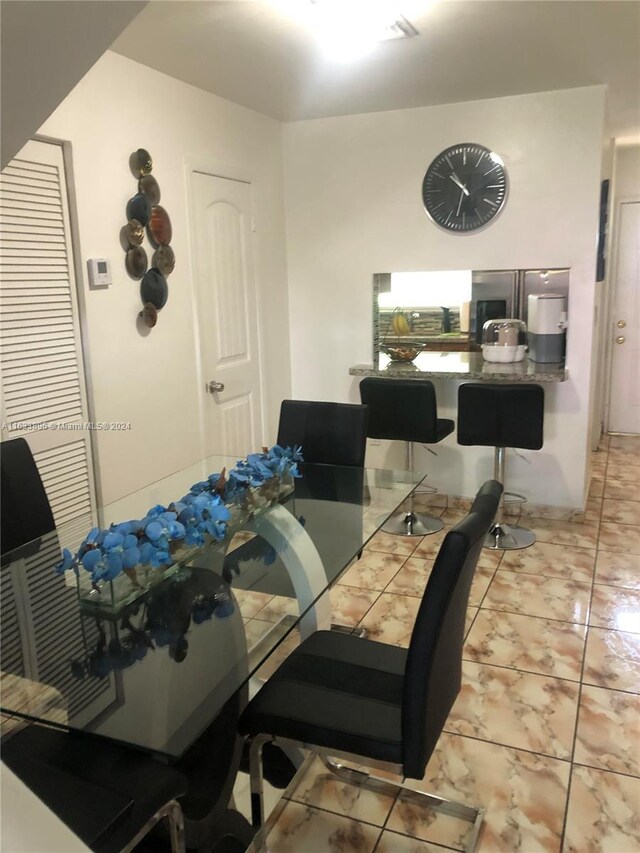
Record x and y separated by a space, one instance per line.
401 353
393 345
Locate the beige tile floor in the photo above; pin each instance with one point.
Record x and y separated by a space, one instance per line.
545 733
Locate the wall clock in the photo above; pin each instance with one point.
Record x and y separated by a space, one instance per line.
465 188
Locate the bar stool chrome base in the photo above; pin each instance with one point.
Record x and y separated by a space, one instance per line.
504 537
412 524
501 536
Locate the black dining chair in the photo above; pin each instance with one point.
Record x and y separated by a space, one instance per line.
111 797
329 433
26 513
377 704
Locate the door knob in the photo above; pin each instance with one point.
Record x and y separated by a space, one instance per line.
620 339
214 386
621 324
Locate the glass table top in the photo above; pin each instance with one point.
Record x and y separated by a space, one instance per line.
156 673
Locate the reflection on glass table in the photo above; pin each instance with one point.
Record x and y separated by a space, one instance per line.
158 672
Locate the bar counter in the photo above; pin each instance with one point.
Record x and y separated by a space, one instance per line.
462 365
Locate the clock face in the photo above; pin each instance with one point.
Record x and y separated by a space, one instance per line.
465 188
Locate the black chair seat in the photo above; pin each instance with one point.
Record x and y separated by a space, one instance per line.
403 410
335 690
104 793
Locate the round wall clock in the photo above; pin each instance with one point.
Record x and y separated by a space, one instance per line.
465 188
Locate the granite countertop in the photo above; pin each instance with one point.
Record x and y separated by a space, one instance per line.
462 365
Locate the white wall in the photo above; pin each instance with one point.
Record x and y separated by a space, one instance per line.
353 201
627 171
56 41
153 381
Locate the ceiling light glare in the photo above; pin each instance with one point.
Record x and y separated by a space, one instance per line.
349 29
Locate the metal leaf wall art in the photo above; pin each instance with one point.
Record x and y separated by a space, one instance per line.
144 210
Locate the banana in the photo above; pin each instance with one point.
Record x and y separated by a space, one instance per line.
400 324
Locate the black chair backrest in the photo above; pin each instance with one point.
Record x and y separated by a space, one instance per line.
434 662
26 514
401 409
501 415
329 433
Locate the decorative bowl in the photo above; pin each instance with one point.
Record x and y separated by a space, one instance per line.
401 353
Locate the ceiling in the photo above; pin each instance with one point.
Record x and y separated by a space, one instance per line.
256 54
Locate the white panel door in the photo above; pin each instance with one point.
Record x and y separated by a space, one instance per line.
41 370
227 315
624 407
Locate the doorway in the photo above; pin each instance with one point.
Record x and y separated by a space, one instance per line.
228 312
624 399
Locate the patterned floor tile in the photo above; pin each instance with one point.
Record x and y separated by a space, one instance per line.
251 602
373 570
391 842
480 584
612 660
279 606
524 795
551 598
527 643
391 619
412 577
490 559
622 472
627 454
559 561
617 569
621 491
301 828
564 532
621 511
608 733
322 789
430 545
390 544
349 604
596 487
603 812
616 608
517 709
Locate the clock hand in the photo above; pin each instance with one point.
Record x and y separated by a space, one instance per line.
460 202
456 180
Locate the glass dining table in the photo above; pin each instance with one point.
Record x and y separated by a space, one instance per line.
156 672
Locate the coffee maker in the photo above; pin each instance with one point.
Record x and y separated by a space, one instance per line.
547 323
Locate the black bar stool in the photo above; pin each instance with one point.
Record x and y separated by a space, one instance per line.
405 410
502 416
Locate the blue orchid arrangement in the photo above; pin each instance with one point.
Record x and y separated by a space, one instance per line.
202 512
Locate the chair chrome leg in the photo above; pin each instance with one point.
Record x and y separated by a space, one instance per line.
255 775
176 827
410 523
172 811
501 536
505 537
469 814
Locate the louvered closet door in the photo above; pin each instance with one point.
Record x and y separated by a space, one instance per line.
41 371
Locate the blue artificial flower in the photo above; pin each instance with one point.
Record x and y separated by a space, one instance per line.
68 562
